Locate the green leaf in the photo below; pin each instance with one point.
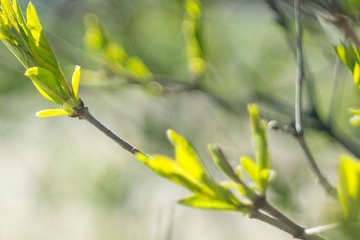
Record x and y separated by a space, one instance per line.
222 162
51 113
349 187
116 54
75 81
186 155
259 136
242 189
250 167
96 36
348 55
41 49
47 85
192 31
200 201
137 67
356 74
169 169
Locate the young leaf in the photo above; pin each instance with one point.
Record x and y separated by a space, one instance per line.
250 167
186 155
137 67
222 163
51 113
200 201
75 81
47 84
170 169
349 187
191 27
27 41
348 55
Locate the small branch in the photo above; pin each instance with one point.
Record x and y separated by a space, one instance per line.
314 167
343 24
300 69
83 113
271 221
296 230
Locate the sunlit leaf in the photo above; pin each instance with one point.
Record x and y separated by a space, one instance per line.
117 54
356 74
259 136
186 155
349 187
96 36
47 84
250 167
170 169
244 191
138 68
348 55
207 203
51 113
75 82
41 49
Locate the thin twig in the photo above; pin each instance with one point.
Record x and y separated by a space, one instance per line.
271 221
300 69
296 230
83 113
314 167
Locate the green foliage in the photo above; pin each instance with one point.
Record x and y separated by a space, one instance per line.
193 38
98 40
188 171
350 57
259 171
27 41
349 188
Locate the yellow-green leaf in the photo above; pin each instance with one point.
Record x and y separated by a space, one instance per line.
250 167
75 81
349 187
169 169
51 113
40 47
208 203
186 155
356 74
47 84
222 163
138 68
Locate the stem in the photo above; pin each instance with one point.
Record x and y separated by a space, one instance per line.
296 230
271 221
300 69
343 24
314 167
83 113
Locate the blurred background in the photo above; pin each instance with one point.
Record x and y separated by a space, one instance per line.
60 178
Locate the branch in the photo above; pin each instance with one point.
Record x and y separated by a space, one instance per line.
300 69
83 113
314 167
